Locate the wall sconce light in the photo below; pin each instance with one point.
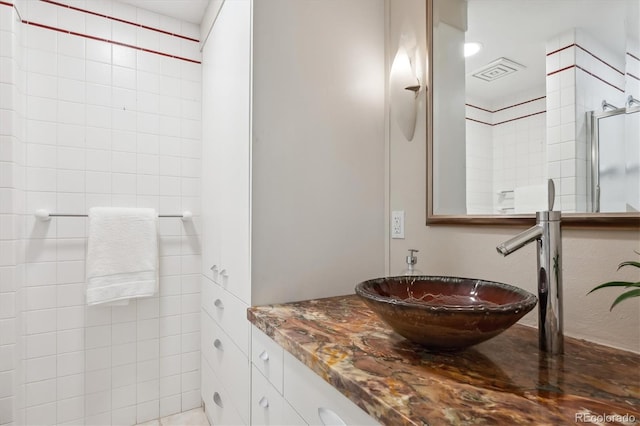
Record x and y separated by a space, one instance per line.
404 87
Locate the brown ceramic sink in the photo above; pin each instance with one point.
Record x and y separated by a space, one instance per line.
445 312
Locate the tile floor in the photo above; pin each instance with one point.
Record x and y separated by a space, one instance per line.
194 417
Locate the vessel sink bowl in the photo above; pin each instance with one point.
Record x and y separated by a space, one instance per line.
445 313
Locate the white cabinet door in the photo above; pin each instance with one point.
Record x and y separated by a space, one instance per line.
317 401
217 402
235 214
267 355
211 222
229 312
268 407
214 121
228 363
226 144
266 401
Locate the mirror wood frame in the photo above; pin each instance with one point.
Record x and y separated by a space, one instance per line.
620 220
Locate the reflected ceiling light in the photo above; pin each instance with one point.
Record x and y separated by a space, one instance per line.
471 48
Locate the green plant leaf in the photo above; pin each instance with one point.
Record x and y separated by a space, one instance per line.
623 296
629 263
635 286
616 284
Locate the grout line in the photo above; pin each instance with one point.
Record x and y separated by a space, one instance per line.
124 21
507 107
506 121
118 43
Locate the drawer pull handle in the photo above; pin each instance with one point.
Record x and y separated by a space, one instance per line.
264 402
214 268
329 417
218 304
218 344
223 272
217 399
264 356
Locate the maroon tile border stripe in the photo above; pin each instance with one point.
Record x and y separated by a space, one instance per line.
633 56
588 52
48 27
604 62
506 121
561 69
156 52
124 21
588 72
507 107
478 121
633 76
600 78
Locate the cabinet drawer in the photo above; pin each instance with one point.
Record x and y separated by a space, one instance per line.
228 311
266 401
226 360
217 402
268 407
317 401
266 355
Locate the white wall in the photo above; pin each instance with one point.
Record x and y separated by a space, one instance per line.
318 147
112 119
450 19
591 256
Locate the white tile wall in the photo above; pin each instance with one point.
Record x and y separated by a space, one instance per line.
105 124
507 152
570 95
12 183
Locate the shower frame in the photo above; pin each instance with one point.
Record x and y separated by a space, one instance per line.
593 156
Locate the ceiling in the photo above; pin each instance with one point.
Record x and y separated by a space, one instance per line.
514 29
184 10
519 29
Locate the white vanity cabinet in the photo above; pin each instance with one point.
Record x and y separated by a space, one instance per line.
226 287
286 392
292 173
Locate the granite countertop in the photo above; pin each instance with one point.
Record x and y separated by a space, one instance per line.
505 380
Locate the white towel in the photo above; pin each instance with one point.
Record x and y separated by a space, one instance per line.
530 199
122 257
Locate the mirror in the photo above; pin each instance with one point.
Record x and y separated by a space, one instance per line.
553 92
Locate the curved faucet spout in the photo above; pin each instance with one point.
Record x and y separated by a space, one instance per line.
520 240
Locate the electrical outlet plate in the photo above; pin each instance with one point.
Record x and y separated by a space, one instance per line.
397 224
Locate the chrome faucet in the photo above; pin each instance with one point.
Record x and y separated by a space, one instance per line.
546 232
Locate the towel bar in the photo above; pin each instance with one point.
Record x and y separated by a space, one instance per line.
44 215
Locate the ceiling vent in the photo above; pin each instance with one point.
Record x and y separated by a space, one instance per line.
497 69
